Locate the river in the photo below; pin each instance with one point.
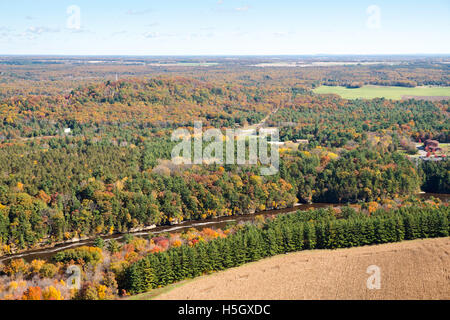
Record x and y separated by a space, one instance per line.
221 222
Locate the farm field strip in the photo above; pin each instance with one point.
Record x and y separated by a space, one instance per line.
395 93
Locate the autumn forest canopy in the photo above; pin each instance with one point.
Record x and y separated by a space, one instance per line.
85 151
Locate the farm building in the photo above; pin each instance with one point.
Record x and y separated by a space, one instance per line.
431 145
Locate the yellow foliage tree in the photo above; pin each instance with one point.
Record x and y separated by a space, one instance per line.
52 293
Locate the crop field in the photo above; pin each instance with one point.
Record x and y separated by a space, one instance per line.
395 93
417 269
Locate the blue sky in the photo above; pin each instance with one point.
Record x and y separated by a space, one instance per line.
224 27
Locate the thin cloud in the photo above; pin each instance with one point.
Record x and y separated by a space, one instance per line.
4 33
152 35
26 35
34 32
282 34
81 30
242 9
138 12
118 33
157 35
240 33
41 30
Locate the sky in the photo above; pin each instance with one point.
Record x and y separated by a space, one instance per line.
224 27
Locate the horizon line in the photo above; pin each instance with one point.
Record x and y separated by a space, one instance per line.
219 55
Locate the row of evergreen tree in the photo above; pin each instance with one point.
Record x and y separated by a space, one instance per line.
318 229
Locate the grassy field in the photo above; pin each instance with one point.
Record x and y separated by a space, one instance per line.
395 93
417 269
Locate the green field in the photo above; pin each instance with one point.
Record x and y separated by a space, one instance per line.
395 93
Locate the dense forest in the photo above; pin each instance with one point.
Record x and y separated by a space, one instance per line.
150 107
114 269
85 153
325 119
108 175
436 176
86 189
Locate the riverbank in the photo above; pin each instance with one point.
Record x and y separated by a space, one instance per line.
46 252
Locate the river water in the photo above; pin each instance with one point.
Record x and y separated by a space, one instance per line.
221 222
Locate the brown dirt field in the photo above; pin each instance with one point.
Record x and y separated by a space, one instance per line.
418 269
